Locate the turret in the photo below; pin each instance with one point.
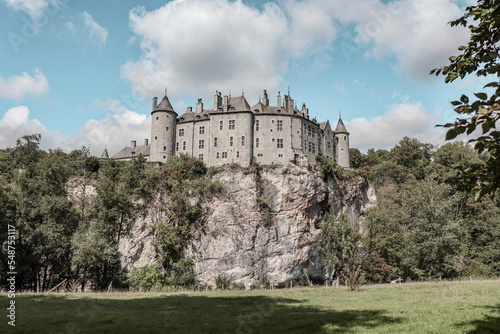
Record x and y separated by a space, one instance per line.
163 128
342 143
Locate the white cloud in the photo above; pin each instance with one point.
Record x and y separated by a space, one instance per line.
416 32
404 119
18 87
83 28
113 132
34 8
116 130
15 123
198 46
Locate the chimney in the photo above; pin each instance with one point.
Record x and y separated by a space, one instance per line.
155 102
217 100
226 103
132 143
265 100
199 106
190 109
279 100
146 142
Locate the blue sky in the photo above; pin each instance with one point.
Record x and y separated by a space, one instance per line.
85 72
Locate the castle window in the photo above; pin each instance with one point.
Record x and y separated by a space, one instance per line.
201 144
345 137
260 155
280 155
164 148
200 157
232 124
177 146
217 155
257 125
184 146
309 147
202 130
156 117
215 142
273 140
257 142
164 157
279 125
156 138
133 153
242 140
224 155
221 125
230 141
313 148
309 130
279 143
238 154
181 132
167 128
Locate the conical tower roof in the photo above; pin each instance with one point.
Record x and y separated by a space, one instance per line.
341 127
165 105
105 155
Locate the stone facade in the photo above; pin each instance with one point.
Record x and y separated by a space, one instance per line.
234 132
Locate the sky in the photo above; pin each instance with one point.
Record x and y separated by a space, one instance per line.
84 73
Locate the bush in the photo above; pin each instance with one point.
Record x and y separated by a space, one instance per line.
222 281
146 279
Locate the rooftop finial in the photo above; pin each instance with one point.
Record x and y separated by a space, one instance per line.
165 91
243 92
340 115
289 90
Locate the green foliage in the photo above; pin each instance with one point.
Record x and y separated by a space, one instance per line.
339 246
480 56
96 259
356 158
180 180
45 219
146 279
222 281
152 278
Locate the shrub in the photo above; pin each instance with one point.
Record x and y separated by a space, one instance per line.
222 281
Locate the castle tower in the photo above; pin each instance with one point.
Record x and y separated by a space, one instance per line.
163 128
342 143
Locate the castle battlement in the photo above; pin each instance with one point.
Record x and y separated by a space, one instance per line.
234 132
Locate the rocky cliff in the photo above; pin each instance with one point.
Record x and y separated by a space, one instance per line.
263 225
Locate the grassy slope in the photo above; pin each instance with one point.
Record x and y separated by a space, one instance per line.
459 307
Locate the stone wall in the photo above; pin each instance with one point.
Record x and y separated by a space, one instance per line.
233 239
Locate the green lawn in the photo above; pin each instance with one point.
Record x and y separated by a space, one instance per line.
456 307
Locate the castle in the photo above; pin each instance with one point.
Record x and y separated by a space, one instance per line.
233 132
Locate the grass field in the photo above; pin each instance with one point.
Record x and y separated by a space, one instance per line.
453 307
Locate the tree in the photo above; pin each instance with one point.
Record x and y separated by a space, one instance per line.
45 218
387 234
482 57
339 245
434 247
357 159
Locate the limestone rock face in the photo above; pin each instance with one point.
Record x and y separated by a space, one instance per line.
263 225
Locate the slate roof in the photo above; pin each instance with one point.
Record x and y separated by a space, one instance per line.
104 155
128 152
341 127
165 105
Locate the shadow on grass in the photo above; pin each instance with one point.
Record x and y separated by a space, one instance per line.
184 314
489 324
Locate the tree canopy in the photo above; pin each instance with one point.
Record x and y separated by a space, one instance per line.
481 56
